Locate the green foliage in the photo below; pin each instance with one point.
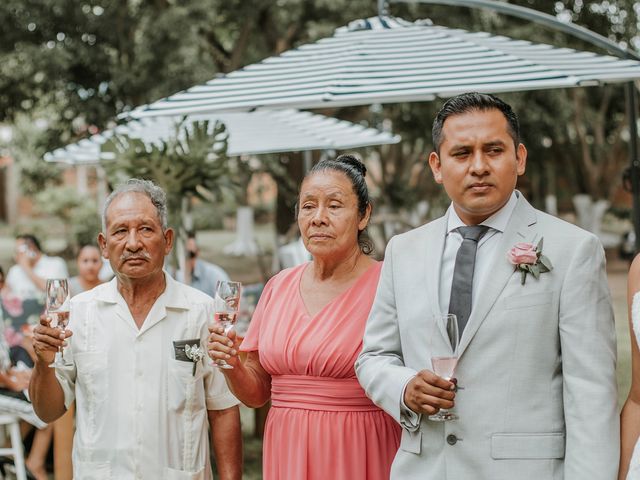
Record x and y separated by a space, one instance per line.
575 137
193 164
84 62
207 216
79 217
26 147
85 224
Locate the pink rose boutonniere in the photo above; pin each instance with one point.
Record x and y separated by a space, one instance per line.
528 258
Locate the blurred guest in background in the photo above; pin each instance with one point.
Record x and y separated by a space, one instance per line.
304 338
28 277
200 274
89 263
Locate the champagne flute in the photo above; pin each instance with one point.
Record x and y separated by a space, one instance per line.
227 304
444 341
57 310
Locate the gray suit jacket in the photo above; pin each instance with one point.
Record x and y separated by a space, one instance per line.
537 361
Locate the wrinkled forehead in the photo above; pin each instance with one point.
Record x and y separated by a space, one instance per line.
131 207
326 183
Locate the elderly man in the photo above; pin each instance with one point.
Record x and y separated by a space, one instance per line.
143 390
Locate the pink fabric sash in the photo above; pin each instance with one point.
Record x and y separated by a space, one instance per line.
319 393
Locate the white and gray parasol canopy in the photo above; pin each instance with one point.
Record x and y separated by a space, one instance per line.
250 133
389 60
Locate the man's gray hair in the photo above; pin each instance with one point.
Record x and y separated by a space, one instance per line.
146 187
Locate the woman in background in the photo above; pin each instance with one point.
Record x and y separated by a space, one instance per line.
89 263
304 338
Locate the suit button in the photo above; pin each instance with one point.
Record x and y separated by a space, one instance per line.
452 439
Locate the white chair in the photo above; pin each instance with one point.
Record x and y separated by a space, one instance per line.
12 424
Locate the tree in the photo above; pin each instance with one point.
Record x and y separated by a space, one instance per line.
193 164
85 62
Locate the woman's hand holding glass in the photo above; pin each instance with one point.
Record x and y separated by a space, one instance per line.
227 305
223 347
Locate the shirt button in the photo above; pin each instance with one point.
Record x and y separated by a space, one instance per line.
452 439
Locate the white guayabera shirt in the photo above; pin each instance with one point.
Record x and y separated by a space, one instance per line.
141 413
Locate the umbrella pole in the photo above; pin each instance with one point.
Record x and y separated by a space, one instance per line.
307 161
632 111
382 8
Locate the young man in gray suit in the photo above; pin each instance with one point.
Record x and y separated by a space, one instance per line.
536 388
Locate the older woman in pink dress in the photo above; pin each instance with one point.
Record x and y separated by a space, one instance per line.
305 336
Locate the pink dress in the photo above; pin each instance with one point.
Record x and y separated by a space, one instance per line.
321 425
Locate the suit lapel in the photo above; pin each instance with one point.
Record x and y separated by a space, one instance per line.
434 251
517 230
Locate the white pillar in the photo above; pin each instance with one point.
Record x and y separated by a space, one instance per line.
101 187
245 242
81 180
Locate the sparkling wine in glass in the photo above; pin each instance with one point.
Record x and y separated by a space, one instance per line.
227 304
444 341
57 310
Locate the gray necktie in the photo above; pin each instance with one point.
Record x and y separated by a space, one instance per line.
461 287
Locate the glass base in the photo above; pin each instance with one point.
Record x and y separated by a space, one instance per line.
222 364
60 362
443 416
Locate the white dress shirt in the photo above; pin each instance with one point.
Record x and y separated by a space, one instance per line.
141 413
484 254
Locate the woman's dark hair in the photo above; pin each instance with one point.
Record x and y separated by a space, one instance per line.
86 245
31 240
355 171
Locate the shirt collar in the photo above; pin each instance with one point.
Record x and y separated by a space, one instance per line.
498 221
172 297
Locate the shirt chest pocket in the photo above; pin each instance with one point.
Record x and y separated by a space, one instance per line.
93 377
185 389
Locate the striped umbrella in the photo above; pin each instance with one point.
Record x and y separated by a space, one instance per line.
250 133
388 60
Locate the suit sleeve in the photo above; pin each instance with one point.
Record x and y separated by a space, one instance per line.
380 366
588 346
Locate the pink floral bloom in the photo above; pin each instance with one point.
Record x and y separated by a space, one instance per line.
12 337
13 305
523 253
